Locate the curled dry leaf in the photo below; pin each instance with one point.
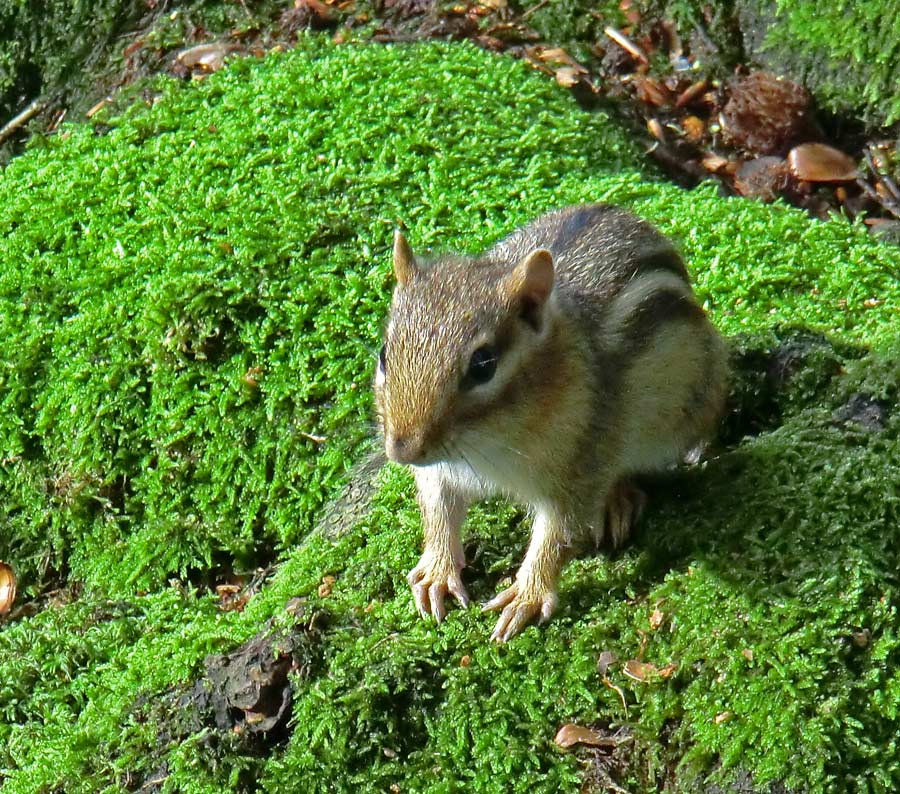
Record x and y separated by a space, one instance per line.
817 162
206 57
644 671
571 734
559 55
7 587
651 91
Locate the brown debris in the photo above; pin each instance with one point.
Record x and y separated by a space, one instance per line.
326 586
644 671
652 91
694 128
763 178
766 114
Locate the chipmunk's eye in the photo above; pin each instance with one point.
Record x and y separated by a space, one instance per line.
482 367
382 363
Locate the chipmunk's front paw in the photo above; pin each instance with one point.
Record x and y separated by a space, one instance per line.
521 604
432 579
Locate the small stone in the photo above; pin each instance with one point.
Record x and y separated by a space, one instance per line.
863 410
606 660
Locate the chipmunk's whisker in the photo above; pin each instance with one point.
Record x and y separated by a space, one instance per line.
513 450
462 453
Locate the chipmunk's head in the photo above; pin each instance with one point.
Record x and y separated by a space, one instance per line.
459 334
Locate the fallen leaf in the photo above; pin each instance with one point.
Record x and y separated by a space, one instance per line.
644 671
559 55
208 57
665 672
7 587
571 734
816 162
652 91
637 670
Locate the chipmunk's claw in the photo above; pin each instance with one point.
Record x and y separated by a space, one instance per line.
520 607
624 506
431 582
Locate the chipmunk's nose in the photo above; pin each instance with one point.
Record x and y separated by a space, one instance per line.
404 448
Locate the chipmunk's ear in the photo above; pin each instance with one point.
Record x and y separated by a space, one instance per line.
532 279
530 285
405 266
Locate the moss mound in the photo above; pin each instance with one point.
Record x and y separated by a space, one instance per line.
188 302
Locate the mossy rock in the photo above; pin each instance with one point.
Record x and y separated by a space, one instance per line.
190 301
844 52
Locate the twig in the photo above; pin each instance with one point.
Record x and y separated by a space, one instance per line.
626 44
23 118
534 8
888 181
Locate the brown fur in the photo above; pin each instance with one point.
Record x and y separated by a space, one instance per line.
614 371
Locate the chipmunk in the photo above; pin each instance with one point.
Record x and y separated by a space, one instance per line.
566 358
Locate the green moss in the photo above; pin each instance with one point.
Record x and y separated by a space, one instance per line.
188 304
